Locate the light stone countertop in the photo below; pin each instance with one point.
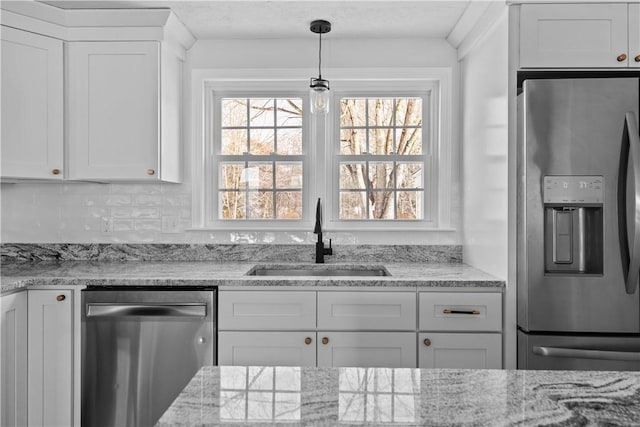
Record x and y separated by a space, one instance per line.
233 274
285 396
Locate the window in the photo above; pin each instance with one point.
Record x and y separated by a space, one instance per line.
257 151
381 161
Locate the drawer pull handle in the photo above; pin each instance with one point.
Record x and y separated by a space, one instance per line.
60 298
150 172
449 311
325 340
56 171
622 57
307 340
427 342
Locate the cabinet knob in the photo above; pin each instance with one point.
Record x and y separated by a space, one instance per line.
637 58
622 57
150 171
325 340
61 298
307 340
56 171
427 342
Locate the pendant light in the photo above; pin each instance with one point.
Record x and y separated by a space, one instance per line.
319 87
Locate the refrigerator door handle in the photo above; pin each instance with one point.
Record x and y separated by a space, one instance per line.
586 354
633 208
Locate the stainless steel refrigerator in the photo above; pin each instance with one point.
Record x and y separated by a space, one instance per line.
579 224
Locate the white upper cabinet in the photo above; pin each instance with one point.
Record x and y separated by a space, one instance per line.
32 105
98 89
114 111
580 35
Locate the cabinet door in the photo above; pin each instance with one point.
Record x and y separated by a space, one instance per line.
367 349
50 359
113 110
267 348
14 359
573 35
459 351
634 35
32 105
367 310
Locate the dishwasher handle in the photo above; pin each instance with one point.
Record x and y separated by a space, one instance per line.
586 354
124 310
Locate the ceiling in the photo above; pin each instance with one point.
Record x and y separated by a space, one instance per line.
240 19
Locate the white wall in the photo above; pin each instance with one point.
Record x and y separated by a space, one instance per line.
484 77
74 212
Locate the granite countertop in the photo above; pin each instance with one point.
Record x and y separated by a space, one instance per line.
232 274
252 396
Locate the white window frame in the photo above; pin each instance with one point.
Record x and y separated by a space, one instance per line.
321 136
436 150
213 91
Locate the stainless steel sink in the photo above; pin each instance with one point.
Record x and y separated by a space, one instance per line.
318 270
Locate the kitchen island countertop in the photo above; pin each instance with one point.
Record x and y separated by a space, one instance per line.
252 396
233 274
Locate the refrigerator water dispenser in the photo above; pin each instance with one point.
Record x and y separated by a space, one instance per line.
573 224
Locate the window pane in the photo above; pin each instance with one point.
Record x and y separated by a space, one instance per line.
260 205
353 176
408 112
234 112
381 141
353 205
289 204
381 205
262 142
232 205
234 141
409 141
261 175
290 141
353 141
409 204
261 112
289 175
289 112
380 175
380 111
352 112
409 175
232 176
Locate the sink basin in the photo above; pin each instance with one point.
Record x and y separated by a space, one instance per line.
318 270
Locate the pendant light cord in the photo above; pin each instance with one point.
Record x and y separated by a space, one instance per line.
320 57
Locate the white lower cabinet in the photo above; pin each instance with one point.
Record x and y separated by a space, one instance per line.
459 350
285 348
14 360
38 358
50 357
360 328
367 349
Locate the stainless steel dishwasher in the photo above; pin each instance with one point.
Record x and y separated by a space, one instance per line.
140 347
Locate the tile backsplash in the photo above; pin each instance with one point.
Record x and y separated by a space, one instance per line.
150 213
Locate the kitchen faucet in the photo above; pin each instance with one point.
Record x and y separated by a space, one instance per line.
321 251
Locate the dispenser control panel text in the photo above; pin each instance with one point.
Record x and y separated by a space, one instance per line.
573 189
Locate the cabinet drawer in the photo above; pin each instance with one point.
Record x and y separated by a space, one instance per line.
367 310
457 311
266 310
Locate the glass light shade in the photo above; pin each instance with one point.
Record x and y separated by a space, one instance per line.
319 96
